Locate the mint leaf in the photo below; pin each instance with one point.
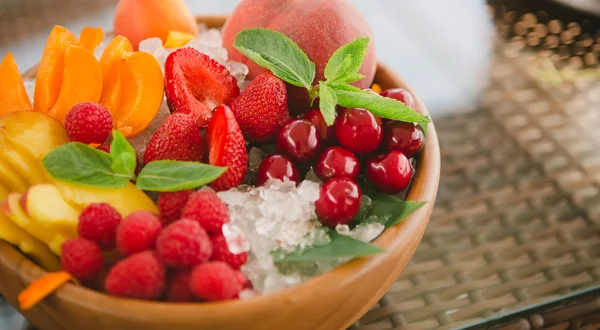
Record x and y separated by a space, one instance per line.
122 155
168 175
274 51
352 97
344 64
83 165
386 205
327 102
339 247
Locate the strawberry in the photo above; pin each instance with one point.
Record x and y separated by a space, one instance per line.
195 84
177 139
261 109
226 147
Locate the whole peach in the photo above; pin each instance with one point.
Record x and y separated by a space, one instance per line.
319 27
142 19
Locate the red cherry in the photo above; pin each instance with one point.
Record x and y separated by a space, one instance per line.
337 162
300 140
339 202
327 132
408 138
277 167
390 173
401 95
358 130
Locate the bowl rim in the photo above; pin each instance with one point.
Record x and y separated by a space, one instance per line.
423 188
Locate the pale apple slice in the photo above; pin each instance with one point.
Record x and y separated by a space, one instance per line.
28 244
43 204
9 178
126 200
22 162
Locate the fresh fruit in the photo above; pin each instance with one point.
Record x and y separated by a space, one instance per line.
339 202
215 281
138 232
177 139
171 204
178 287
82 259
226 147
243 279
90 38
14 96
153 18
408 138
139 93
359 131
111 64
206 208
44 214
277 167
221 252
104 147
401 95
177 39
48 82
306 23
337 162
98 223
81 81
184 244
300 140
327 132
195 84
261 109
140 276
390 173
88 123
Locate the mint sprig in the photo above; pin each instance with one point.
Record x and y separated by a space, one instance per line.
278 53
83 165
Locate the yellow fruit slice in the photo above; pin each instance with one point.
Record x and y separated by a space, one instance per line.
176 39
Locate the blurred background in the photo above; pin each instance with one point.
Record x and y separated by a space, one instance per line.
514 89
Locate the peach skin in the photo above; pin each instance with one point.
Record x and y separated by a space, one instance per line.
13 96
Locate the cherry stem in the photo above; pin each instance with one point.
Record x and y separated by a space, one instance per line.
313 93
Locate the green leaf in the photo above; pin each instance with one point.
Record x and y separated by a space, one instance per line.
327 102
350 78
278 53
340 247
346 61
123 155
386 205
83 165
168 175
352 97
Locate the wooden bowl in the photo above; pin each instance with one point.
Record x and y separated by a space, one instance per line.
331 301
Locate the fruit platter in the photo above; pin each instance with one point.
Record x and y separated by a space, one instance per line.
237 172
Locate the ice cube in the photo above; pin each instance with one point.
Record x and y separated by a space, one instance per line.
140 141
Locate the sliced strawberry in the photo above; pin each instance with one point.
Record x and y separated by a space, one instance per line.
177 139
195 84
262 108
226 147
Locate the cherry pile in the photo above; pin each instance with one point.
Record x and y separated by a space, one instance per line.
357 140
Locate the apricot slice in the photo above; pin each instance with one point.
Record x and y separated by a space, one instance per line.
110 62
141 93
81 82
176 39
13 96
90 38
50 72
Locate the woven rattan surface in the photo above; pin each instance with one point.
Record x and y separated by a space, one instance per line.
517 220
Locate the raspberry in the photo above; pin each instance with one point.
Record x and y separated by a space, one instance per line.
178 287
171 204
104 147
98 223
82 259
243 279
88 123
140 276
138 232
214 281
183 244
221 253
208 210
